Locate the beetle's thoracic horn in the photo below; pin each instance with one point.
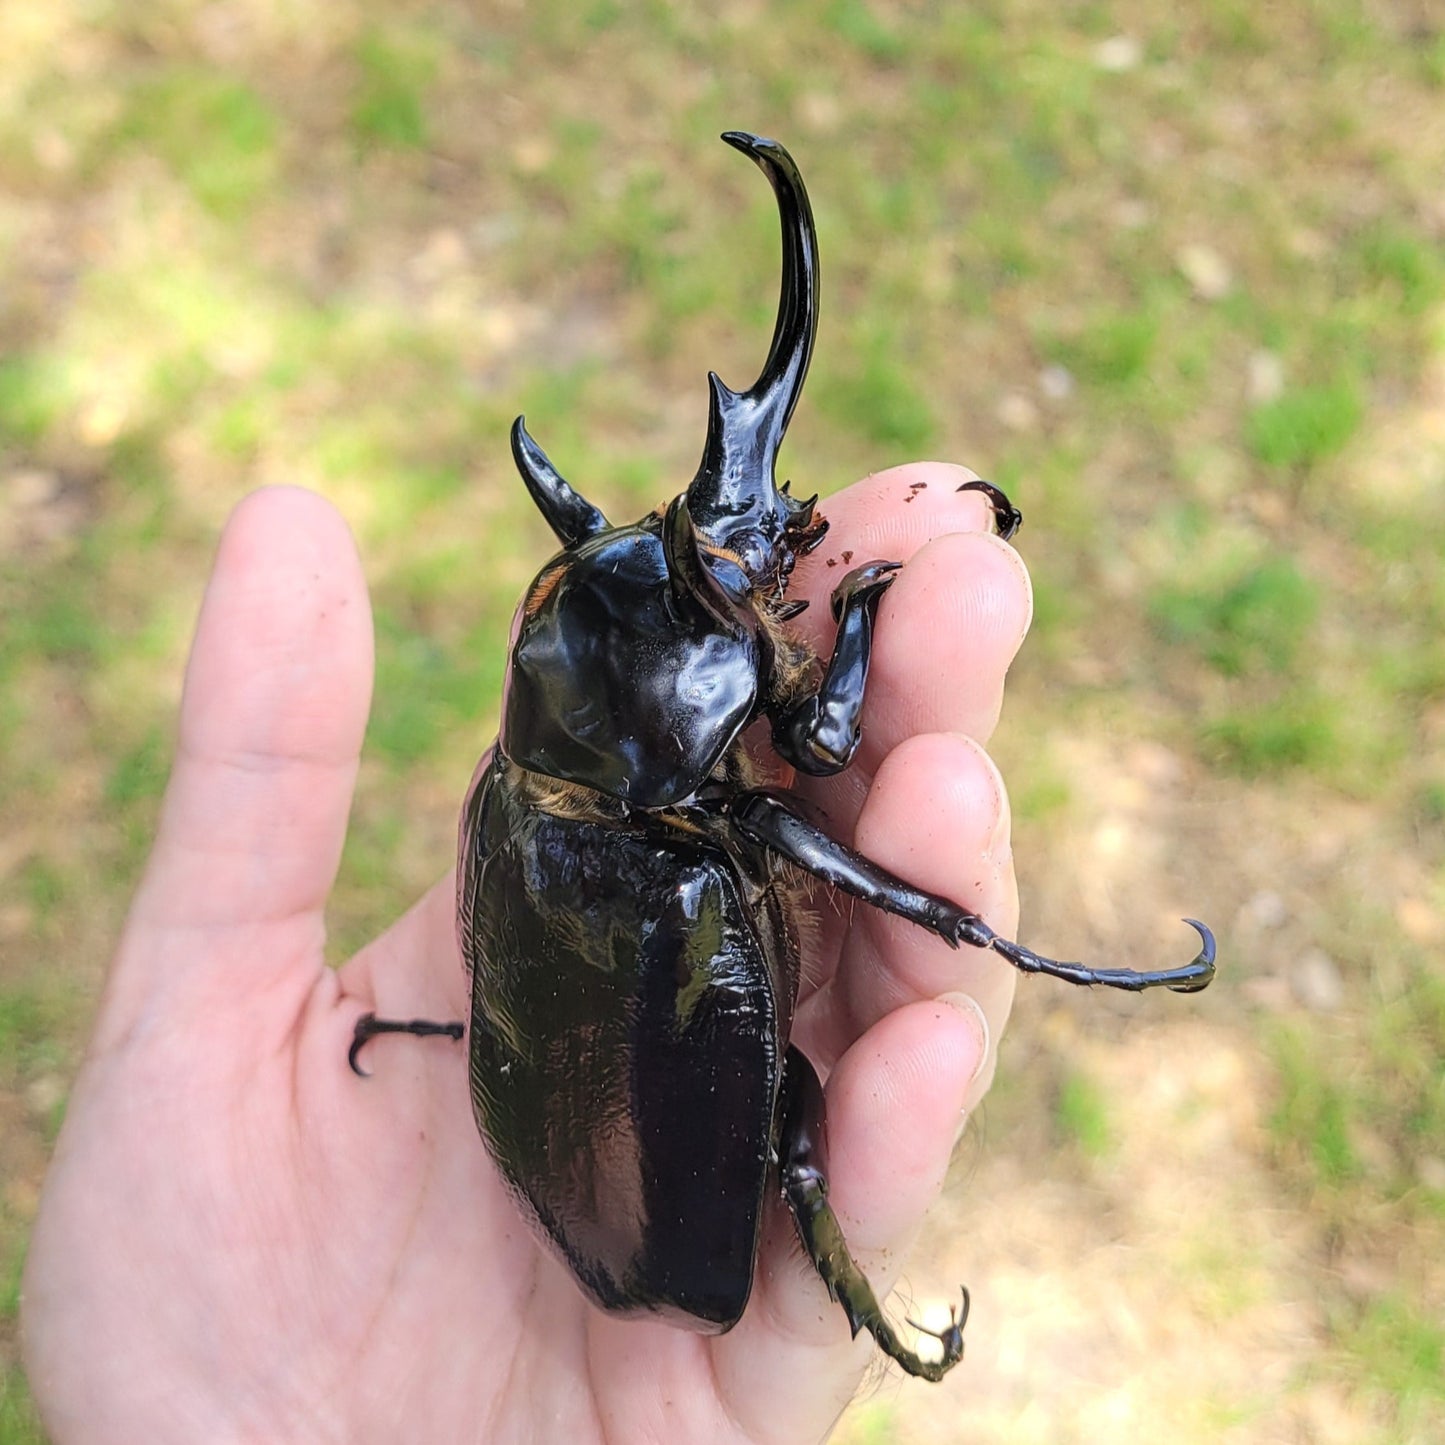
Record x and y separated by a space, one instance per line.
570 515
735 489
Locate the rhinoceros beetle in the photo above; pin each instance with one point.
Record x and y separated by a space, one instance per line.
626 892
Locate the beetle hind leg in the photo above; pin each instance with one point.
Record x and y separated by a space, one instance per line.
368 1026
805 1186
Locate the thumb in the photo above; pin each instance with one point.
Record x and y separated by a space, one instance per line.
274 708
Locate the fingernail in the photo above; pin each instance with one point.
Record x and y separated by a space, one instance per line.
967 1005
999 840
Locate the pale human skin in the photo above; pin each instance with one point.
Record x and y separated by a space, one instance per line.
240 1240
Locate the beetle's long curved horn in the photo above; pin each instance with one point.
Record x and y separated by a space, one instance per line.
569 514
735 487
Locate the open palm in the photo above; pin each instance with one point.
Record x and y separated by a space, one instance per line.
240 1240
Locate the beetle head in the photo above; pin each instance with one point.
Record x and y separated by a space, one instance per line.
637 654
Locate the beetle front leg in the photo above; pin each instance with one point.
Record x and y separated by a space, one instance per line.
769 819
803 1164
820 735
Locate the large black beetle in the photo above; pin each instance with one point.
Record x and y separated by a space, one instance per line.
627 892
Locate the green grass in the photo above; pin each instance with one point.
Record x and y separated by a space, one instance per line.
1042 792
33 392
1305 426
140 773
1404 268
10 1284
858 23
1271 737
1111 349
1428 805
1397 1349
420 691
879 397
1312 1116
33 1018
19 1424
395 69
218 135
872 1422
1082 1114
45 887
61 623
216 265
1256 622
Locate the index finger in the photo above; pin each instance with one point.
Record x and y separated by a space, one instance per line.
947 629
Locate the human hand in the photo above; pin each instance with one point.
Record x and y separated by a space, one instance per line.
240 1240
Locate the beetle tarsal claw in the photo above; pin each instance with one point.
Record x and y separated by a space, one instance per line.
951 1336
1006 517
1195 975
1202 964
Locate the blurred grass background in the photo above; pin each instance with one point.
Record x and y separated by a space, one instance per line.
1172 275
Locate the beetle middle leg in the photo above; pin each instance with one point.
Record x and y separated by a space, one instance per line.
803 1165
820 735
770 820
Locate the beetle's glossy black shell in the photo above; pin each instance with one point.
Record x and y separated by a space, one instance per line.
632 988
620 683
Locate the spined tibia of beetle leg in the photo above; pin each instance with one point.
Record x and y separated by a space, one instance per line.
803 1164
